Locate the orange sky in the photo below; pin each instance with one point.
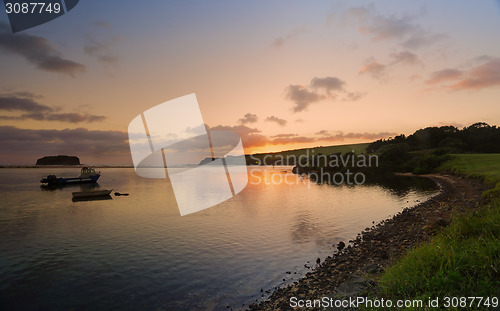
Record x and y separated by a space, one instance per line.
302 74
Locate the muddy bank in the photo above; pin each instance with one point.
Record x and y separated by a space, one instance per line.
348 271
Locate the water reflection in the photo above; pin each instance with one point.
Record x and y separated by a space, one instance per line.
95 198
137 252
397 184
82 186
304 229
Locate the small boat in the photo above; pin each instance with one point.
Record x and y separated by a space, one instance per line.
86 175
91 194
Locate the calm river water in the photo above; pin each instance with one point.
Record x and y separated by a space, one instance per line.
137 252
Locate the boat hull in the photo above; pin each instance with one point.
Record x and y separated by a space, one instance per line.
75 180
91 194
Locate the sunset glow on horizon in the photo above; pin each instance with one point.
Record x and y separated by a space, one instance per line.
283 74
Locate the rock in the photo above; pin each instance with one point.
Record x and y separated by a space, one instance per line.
340 246
352 287
58 160
373 268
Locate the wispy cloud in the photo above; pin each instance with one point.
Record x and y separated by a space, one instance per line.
26 145
25 102
21 102
102 24
405 58
379 71
325 136
101 49
61 117
284 140
374 69
402 29
284 135
480 77
280 41
38 51
252 137
98 50
486 74
279 121
444 75
248 118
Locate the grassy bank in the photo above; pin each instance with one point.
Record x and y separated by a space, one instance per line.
463 259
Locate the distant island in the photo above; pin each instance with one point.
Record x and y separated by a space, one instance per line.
58 160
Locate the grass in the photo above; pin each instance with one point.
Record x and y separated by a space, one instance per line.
358 148
463 260
486 166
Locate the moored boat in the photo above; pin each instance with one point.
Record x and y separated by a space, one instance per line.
91 194
87 174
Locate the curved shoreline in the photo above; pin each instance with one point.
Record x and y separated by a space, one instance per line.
348 272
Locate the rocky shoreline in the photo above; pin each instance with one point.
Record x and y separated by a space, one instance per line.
350 271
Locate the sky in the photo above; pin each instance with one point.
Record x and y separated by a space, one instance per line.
281 74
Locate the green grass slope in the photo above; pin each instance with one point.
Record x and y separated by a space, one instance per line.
464 259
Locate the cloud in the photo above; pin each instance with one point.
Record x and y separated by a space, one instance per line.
248 118
24 146
479 77
25 102
285 139
284 135
444 75
250 137
405 58
485 74
353 96
328 83
279 121
61 117
292 140
74 117
374 69
319 89
21 102
302 97
38 51
101 49
102 24
378 70
280 41
399 28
